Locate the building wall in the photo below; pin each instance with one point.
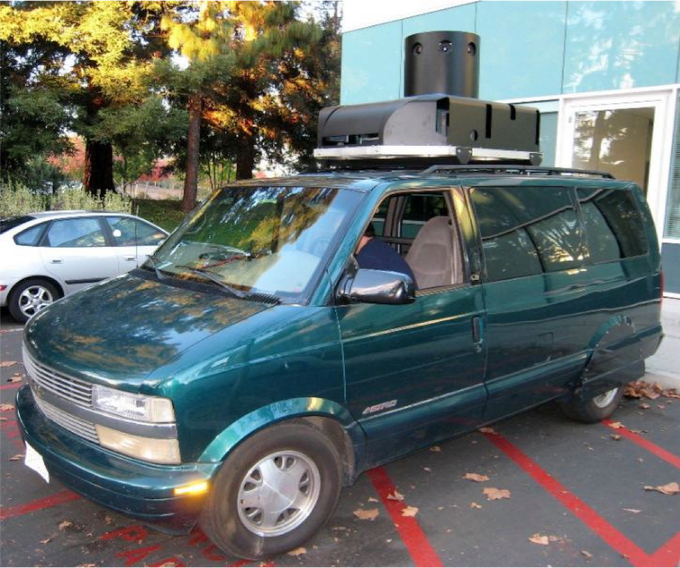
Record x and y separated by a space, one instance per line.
529 49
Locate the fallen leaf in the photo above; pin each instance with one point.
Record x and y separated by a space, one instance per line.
46 540
7 363
366 514
660 406
14 380
90 565
428 469
107 519
298 551
474 505
169 564
6 407
634 431
668 489
373 500
616 425
409 511
616 437
435 449
493 494
586 554
645 406
636 511
487 430
16 458
539 539
64 525
396 496
3 419
478 477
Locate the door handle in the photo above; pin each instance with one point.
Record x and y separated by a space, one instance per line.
130 257
56 261
477 333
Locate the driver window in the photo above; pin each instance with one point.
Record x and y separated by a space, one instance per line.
415 234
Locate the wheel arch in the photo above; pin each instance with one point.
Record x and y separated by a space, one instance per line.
325 415
50 279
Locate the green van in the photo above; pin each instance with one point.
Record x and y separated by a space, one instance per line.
252 367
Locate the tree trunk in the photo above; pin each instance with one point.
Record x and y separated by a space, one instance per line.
245 160
193 146
98 176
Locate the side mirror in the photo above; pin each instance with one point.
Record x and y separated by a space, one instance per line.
377 287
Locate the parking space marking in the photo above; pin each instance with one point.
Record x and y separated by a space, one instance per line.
11 386
646 444
38 504
10 429
409 528
667 555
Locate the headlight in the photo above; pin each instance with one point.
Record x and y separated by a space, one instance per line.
165 451
134 406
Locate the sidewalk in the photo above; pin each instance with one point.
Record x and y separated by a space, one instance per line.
664 366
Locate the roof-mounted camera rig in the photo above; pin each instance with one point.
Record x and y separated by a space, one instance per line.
441 120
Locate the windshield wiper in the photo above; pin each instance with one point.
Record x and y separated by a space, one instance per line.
215 279
154 265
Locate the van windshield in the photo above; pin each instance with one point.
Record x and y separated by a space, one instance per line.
270 241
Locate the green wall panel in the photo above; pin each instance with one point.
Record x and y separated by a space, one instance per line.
522 48
372 64
620 45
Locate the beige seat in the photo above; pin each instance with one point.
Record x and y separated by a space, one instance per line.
434 255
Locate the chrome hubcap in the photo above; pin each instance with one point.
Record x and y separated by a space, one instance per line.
279 493
33 299
605 399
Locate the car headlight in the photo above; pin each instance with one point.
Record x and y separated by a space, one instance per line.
134 406
162 451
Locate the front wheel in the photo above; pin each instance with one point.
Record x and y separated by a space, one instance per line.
595 409
273 492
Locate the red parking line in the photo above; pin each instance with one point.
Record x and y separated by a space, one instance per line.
646 444
594 521
667 555
12 386
38 505
409 529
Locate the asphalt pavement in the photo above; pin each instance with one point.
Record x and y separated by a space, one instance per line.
558 493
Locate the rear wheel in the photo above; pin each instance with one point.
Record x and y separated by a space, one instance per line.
31 296
273 492
595 409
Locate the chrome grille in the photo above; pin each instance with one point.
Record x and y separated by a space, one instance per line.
71 423
62 385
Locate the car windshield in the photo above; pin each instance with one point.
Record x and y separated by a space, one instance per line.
249 241
10 222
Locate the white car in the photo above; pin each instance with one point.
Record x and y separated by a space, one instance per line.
44 256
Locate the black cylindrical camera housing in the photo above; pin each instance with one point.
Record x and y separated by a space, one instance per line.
442 62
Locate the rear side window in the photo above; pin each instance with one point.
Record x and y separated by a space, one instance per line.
528 230
30 237
81 232
10 222
420 208
614 227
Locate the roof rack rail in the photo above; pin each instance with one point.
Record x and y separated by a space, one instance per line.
517 169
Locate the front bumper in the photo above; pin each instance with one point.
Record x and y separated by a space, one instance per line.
131 487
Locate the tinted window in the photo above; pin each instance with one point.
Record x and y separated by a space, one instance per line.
130 232
76 233
30 237
11 222
527 230
614 227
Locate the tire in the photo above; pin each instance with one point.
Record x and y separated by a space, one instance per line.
31 296
595 409
302 463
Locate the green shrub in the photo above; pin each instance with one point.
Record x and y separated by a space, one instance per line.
17 199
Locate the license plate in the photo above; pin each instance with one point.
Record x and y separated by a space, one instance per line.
34 461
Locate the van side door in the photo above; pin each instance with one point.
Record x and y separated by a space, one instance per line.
414 372
535 292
